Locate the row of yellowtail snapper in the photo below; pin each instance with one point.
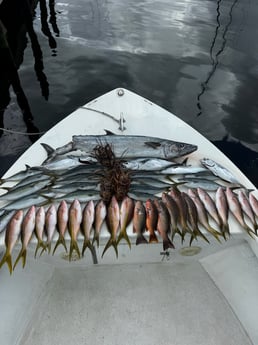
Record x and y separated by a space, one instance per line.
67 194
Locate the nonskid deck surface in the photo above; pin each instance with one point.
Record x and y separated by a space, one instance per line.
141 298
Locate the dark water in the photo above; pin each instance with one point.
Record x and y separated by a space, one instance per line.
196 58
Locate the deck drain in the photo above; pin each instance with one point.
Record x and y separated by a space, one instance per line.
190 251
74 257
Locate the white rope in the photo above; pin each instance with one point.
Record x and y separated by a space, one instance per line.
22 133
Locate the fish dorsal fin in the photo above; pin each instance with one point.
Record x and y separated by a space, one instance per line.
27 166
108 132
153 144
48 148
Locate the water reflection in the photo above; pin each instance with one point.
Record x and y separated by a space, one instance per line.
13 39
215 59
44 24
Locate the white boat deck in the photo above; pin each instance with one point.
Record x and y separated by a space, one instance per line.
210 298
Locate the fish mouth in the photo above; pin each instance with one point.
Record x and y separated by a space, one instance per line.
189 149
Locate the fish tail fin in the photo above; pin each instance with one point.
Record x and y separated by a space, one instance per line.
225 231
49 247
74 246
42 245
175 231
140 239
87 244
61 240
167 244
183 233
203 237
96 238
111 242
48 148
215 233
250 231
153 238
22 255
193 237
123 234
8 259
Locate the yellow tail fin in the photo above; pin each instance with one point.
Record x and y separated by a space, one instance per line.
111 242
8 259
61 240
124 235
22 255
96 238
74 246
42 245
87 244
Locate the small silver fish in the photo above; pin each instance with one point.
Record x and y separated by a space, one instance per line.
219 170
148 164
184 169
22 191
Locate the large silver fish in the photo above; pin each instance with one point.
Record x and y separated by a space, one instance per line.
143 146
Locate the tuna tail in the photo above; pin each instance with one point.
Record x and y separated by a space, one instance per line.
22 255
153 238
49 150
124 235
167 244
140 239
8 259
96 238
61 240
87 244
111 242
42 245
74 246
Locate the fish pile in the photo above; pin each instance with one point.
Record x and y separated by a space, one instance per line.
174 214
143 184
